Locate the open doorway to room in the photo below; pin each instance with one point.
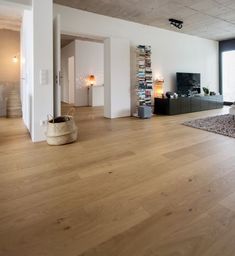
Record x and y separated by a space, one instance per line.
82 70
10 24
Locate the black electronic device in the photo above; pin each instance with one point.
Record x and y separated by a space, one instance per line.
188 83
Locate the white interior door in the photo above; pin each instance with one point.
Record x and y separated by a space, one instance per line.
57 67
71 79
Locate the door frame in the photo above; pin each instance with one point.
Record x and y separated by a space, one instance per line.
57 66
71 80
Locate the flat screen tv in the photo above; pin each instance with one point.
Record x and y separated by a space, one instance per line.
188 83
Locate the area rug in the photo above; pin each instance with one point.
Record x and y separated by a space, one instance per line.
222 124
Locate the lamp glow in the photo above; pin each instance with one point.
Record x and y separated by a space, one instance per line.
158 88
15 59
91 80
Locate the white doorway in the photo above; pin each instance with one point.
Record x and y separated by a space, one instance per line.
71 79
112 74
11 97
81 60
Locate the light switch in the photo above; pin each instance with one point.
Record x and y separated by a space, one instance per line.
43 77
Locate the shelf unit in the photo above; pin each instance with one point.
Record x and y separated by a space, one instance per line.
144 84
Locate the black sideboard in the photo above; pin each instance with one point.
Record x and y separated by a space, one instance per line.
183 105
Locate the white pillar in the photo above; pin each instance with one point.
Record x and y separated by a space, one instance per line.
42 93
117 78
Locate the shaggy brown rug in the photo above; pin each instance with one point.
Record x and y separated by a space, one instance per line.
223 124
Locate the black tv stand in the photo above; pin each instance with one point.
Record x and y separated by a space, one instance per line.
183 105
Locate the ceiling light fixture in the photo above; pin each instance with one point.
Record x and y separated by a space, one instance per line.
177 23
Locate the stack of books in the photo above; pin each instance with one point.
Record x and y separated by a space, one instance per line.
144 85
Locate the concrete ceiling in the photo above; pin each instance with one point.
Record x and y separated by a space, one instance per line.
211 19
10 18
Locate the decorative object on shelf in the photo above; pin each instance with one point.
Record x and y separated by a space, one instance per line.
144 85
212 93
206 91
158 88
176 23
170 95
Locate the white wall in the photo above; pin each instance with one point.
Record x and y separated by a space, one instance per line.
171 51
66 52
89 61
9 47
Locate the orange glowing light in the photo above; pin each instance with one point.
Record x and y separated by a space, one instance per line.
158 88
91 80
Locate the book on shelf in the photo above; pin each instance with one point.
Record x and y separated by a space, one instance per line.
144 84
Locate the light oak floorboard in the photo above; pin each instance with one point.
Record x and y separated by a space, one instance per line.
127 187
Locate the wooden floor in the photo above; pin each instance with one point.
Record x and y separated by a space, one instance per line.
128 187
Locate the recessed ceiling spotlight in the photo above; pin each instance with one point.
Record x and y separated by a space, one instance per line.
176 23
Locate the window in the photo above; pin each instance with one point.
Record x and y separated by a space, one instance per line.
228 75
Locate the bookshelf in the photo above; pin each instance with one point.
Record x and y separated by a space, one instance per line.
144 83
